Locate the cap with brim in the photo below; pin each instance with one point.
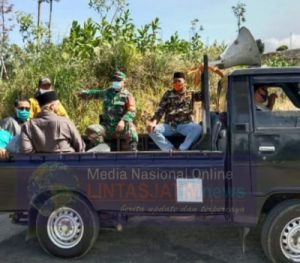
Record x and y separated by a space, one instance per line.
45 81
179 75
119 76
46 98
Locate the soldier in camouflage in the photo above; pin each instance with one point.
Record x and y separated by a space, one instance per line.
177 107
119 110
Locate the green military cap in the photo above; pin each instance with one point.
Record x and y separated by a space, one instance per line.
119 76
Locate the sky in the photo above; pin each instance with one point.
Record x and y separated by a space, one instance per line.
276 22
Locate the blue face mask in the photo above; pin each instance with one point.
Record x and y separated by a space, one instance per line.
117 85
23 115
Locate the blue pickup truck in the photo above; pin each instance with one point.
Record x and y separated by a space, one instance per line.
243 171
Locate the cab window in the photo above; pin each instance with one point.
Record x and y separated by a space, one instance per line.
276 105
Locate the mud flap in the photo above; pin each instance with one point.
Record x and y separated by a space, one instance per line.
31 229
244 233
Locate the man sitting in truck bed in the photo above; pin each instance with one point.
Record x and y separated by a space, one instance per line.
22 113
14 123
48 132
177 106
44 85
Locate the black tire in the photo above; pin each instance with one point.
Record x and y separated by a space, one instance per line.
72 216
276 221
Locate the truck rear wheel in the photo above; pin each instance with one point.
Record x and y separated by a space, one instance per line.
66 226
280 234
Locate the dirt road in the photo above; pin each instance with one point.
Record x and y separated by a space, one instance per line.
142 244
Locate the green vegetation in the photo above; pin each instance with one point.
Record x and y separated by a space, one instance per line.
279 61
282 48
239 11
260 45
89 55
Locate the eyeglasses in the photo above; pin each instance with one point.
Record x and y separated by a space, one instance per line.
24 108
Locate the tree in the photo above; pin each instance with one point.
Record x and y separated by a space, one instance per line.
104 7
5 10
239 12
50 15
27 27
33 37
195 27
260 45
39 22
39 12
282 48
39 18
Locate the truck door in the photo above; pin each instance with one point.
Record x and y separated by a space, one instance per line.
275 141
240 202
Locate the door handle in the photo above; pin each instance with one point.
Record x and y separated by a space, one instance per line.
267 149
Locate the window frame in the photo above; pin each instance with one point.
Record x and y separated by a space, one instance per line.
276 81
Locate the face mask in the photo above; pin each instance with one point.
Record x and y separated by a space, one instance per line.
266 102
178 87
116 85
23 115
42 91
265 97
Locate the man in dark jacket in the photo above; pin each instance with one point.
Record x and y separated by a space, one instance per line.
48 132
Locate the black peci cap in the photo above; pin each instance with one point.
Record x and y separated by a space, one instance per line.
46 98
179 75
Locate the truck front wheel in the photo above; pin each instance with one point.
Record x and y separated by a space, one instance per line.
66 226
280 234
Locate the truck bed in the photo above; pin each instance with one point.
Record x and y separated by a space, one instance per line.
141 182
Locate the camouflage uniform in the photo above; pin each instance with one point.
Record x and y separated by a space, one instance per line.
177 107
117 106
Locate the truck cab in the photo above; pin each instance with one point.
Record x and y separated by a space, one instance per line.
264 152
267 140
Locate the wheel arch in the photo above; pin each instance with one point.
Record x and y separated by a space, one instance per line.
41 198
277 198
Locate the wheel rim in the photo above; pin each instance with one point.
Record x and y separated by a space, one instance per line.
290 240
65 227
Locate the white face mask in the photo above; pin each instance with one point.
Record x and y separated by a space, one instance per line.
42 91
117 85
266 103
